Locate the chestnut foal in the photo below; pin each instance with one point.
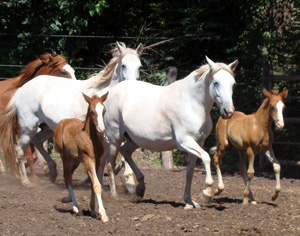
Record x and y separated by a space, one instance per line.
250 134
82 141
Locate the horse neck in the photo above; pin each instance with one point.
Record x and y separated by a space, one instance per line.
198 91
90 128
116 77
262 115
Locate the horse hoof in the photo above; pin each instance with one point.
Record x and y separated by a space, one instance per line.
205 198
75 210
104 219
253 202
130 188
192 205
140 191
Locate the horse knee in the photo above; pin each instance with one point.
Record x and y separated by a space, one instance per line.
276 167
250 174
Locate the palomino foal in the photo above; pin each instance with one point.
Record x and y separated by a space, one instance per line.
250 134
81 141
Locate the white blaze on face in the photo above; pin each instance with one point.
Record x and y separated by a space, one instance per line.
130 66
280 122
69 69
99 110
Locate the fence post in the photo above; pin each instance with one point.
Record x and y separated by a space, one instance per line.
167 156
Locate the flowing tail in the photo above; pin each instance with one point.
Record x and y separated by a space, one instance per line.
8 133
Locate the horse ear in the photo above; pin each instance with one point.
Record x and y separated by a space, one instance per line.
210 63
103 98
233 65
140 49
86 98
266 93
120 47
284 94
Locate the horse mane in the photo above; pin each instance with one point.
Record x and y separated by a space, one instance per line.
30 70
108 71
219 66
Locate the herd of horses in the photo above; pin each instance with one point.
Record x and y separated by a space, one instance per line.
90 118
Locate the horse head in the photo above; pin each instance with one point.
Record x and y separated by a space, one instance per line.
276 106
129 64
55 65
96 110
221 79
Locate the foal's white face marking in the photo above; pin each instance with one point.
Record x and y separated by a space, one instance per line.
280 122
69 69
130 67
100 120
222 83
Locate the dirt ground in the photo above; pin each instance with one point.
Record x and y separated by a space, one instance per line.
38 210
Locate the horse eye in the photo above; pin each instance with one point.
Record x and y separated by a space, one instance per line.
123 67
216 84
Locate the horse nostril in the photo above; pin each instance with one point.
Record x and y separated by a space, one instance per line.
225 112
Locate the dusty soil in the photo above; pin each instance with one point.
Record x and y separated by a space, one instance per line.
38 210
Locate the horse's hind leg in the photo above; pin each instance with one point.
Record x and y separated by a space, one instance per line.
95 188
276 166
127 149
247 175
70 165
38 142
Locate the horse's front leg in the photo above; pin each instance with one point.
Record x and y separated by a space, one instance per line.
90 164
276 166
38 141
189 145
217 162
250 173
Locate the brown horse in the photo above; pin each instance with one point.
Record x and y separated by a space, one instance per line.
81 141
46 64
250 134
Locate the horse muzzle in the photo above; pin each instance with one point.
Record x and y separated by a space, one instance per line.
279 124
227 114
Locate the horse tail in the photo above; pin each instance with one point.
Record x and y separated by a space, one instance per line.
213 150
8 133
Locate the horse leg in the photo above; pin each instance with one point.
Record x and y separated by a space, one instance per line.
20 150
127 149
31 157
218 162
276 166
70 165
2 168
38 142
250 173
95 187
189 145
111 153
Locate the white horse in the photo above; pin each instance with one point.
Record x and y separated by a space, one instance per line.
55 99
163 118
